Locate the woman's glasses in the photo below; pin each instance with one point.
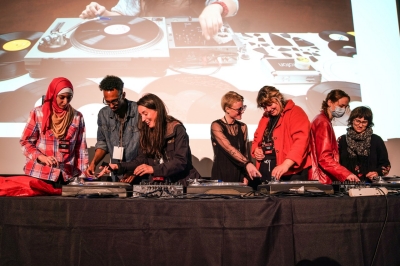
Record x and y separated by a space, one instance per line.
240 110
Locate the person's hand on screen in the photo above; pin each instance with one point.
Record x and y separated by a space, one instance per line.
93 10
210 20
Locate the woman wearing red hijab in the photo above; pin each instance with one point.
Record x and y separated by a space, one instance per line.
53 140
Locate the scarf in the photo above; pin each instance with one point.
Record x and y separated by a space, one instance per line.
54 117
358 143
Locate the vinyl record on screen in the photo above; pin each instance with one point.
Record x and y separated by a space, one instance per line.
13 48
343 48
117 34
20 102
12 70
332 35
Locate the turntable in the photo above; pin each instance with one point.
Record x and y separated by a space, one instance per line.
295 187
104 44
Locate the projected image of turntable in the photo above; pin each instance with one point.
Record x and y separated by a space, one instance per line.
98 47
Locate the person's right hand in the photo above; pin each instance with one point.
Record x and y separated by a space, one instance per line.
353 178
90 170
252 171
210 20
259 154
93 10
48 160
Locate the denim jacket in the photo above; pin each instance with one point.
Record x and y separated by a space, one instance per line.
108 128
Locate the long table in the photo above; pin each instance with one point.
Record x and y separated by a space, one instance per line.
266 231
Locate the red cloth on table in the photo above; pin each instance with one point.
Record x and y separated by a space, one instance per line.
26 186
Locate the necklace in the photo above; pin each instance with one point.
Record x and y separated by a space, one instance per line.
230 127
227 121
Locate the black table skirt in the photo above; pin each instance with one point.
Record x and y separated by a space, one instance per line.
269 231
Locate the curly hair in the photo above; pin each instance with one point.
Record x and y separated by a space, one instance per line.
268 95
110 83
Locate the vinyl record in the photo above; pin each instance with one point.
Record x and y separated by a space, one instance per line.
340 68
12 70
119 34
20 102
343 48
331 35
13 48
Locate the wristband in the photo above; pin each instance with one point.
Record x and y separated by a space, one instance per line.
225 9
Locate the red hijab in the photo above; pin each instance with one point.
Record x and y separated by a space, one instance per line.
50 102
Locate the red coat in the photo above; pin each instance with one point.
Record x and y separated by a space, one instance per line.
325 152
291 137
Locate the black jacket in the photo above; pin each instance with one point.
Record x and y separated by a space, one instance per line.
377 161
177 157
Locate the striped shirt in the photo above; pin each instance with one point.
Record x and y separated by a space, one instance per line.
34 143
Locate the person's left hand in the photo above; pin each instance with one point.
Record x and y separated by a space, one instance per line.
210 20
103 170
279 170
143 169
371 175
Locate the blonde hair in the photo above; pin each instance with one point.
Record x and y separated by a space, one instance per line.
230 98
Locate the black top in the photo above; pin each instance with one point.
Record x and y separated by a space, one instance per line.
230 151
176 164
377 161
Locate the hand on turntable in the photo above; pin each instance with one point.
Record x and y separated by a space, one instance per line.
252 171
372 175
94 10
128 178
281 169
353 177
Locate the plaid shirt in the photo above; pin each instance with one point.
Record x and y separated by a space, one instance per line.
34 143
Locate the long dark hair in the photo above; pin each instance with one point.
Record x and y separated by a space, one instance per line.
152 139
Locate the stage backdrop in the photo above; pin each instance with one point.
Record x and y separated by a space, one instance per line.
349 45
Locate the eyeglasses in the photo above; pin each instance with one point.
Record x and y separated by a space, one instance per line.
240 110
113 102
358 122
62 97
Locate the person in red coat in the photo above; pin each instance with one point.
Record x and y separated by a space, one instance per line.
324 147
281 140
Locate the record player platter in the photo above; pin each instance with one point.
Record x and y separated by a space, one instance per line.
116 35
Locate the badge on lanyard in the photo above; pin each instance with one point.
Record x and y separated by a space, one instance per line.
267 147
118 153
63 146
